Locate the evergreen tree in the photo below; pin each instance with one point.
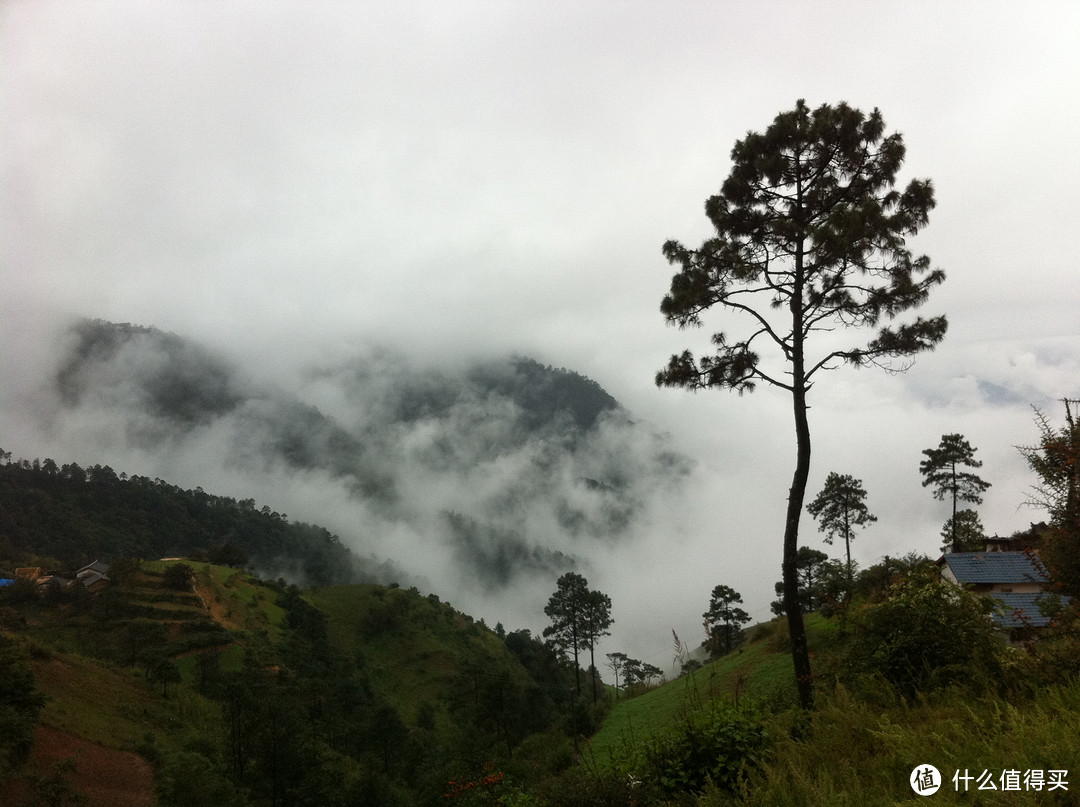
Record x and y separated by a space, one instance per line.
812 565
724 620
617 663
566 609
810 236
964 531
941 468
597 619
840 507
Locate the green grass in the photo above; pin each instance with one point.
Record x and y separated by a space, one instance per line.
113 706
233 597
760 670
861 750
413 646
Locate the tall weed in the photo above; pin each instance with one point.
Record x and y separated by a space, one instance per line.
857 752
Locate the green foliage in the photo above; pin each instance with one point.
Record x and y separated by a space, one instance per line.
808 221
712 744
600 788
724 621
55 787
810 236
925 634
873 581
840 507
84 514
20 704
1056 463
963 532
189 779
497 553
854 750
579 617
178 576
761 670
811 566
941 469
1056 655
546 393
185 383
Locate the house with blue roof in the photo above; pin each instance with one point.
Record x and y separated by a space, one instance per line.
1017 579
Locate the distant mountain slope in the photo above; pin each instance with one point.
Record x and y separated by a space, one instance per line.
485 470
77 515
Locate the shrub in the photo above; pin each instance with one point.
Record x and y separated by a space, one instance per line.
20 704
713 744
600 788
925 634
179 576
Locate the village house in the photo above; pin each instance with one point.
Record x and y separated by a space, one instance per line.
1017 579
93 577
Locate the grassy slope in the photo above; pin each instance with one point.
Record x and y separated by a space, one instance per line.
113 704
860 751
106 704
759 670
233 598
414 647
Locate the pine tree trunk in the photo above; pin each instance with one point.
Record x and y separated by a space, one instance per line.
592 670
955 490
800 655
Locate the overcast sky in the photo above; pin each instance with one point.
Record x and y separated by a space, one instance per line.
285 180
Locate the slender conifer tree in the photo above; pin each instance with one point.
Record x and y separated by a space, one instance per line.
810 241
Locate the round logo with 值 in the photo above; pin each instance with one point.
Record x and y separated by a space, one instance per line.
925 780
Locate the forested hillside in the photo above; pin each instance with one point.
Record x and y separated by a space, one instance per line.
76 515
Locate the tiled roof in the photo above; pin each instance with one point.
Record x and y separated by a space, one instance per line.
1021 610
995 567
89 578
97 566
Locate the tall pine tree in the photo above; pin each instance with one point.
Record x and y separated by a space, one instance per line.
942 469
840 507
810 237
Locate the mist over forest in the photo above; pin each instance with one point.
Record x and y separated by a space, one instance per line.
470 480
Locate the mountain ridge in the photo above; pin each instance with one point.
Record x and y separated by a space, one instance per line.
487 470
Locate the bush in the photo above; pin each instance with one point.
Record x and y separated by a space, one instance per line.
926 634
714 744
179 576
601 788
20 704
1056 655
